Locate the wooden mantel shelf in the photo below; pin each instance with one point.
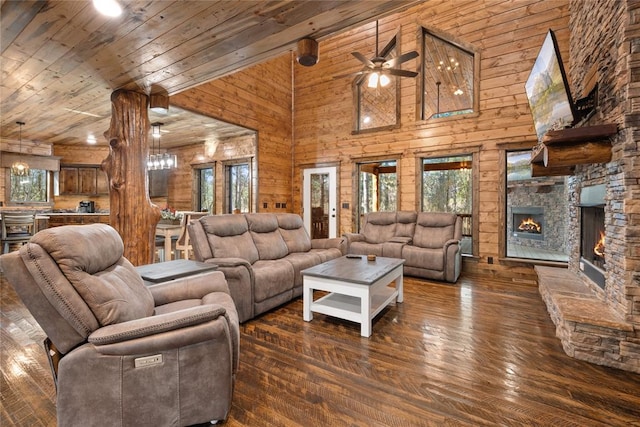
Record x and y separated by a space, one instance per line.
582 134
561 150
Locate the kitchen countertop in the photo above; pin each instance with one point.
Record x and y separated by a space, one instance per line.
72 213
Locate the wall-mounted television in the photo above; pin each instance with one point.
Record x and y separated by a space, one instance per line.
548 90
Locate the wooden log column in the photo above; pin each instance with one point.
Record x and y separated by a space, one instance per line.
131 212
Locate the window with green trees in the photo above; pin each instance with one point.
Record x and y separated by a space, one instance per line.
33 188
377 187
447 186
238 187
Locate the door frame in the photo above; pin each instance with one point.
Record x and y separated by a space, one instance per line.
332 171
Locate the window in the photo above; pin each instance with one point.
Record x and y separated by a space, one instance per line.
205 181
377 107
537 212
238 187
447 186
448 75
34 188
377 187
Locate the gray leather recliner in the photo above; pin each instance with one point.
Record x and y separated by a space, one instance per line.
130 354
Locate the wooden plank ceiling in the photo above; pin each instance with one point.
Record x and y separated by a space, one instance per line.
61 60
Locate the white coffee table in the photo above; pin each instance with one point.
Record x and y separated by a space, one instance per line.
359 289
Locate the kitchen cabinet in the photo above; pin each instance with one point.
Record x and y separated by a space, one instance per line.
56 220
83 180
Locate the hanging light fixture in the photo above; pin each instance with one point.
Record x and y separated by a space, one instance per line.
159 161
20 168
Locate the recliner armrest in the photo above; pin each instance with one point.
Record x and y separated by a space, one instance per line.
451 242
353 237
153 325
335 242
188 287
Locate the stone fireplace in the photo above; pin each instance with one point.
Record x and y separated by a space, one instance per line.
598 319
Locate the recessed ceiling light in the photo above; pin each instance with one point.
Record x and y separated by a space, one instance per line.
109 8
91 139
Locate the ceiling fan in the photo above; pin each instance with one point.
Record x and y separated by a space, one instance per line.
378 68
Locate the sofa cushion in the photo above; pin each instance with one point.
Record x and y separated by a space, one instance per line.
272 278
266 236
406 223
229 237
379 227
433 230
293 232
106 281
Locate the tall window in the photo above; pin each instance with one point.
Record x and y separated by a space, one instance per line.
377 187
238 187
447 186
377 106
205 179
33 188
537 212
447 77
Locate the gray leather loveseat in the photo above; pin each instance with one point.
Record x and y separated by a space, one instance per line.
261 256
429 242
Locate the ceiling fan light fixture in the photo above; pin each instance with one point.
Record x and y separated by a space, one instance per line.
384 80
373 80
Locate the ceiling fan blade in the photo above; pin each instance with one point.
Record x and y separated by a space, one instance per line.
393 62
358 73
366 61
401 73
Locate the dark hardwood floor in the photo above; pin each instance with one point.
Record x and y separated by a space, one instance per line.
481 352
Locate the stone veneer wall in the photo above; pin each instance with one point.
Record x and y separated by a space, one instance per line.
605 39
552 199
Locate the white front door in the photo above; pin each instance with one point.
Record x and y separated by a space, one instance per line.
319 202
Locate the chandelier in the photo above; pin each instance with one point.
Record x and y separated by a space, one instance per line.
20 168
159 161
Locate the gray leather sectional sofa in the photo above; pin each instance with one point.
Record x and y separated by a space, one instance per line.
261 256
429 242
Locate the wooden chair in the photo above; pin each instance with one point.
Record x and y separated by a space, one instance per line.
17 229
183 240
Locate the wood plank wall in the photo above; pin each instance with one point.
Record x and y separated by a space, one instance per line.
507 35
259 98
181 194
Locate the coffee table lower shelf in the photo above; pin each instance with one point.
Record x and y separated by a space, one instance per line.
348 307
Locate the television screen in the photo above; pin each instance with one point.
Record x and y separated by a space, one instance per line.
548 90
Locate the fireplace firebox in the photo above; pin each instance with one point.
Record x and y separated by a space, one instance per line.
592 233
592 243
528 222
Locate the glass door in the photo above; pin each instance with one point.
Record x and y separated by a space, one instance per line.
319 202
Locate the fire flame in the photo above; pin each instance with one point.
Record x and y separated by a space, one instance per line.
529 225
598 249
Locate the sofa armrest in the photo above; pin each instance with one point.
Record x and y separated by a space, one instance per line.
188 287
335 242
154 325
241 282
353 237
450 242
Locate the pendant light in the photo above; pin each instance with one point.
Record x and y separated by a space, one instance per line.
159 161
20 168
